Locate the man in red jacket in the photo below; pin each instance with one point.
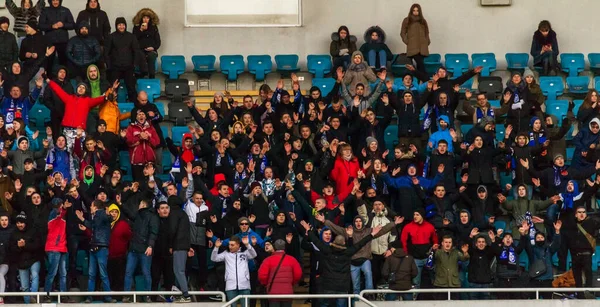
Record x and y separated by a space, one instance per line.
120 235
278 273
56 247
422 237
345 170
141 139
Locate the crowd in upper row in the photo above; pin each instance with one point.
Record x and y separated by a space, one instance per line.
257 183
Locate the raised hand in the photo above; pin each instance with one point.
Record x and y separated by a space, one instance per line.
398 220
289 237
395 171
375 230
524 163
557 226
218 243
349 231
320 217
245 240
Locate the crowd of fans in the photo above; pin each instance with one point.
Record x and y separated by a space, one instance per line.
255 185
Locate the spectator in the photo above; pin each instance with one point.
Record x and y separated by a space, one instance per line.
342 46
588 109
120 52
375 48
56 21
17 106
480 266
97 20
19 156
279 273
179 245
446 265
236 265
482 107
162 260
544 49
32 46
145 30
200 218
26 12
399 269
94 154
585 142
82 51
6 230
540 253
25 251
99 226
154 119
56 248
415 34
418 238
141 140
358 73
582 244
20 76
54 103
110 141
120 235
9 51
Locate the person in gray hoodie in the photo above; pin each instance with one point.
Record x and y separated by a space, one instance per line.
18 157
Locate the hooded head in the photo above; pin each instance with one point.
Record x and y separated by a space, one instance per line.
81 89
377 30
446 120
153 19
594 122
89 9
482 192
4 20
50 3
120 21
357 58
339 242
115 214
358 222
522 191
83 28
572 187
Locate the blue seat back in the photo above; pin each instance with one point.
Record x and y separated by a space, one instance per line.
578 103
552 87
594 59
465 128
570 153
597 83
516 61
172 65
204 63
578 84
324 84
150 86
468 85
38 116
319 64
125 107
500 132
259 66
487 60
495 103
572 63
432 62
165 131
124 161
558 108
287 62
122 95
232 66
390 137
167 162
161 108
457 63
177 133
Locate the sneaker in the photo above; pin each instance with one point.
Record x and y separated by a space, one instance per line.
215 298
88 300
147 299
183 299
111 301
126 299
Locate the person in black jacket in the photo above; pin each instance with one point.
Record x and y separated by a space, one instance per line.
33 45
55 104
25 250
6 230
480 272
179 230
146 31
20 75
111 141
56 21
97 19
121 50
442 80
162 259
408 110
145 231
82 51
582 231
9 50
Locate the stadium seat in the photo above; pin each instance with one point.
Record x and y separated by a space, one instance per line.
161 108
39 115
491 86
398 66
124 163
165 131
487 60
324 84
465 128
597 83
500 225
572 63
432 63
121 92
232 66
319 64
524 260
179 114
125 107
150 86
204 65
570 153
594 59
172 65
552 87
578 84
596 259
177 134
287 63
177 89
259 66
557 108
468 85
500 132
390 137
457 63
494 103
167 163
578 103
517 61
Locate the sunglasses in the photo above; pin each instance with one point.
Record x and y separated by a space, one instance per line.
244 224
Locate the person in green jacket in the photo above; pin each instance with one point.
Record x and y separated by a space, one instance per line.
446 266
520 206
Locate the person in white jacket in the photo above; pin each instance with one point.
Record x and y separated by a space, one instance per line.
237 274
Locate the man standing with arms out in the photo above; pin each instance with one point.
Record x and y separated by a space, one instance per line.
120 52
100 228
422 237
279 273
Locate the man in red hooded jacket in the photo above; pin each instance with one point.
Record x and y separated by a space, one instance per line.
141 139
56 247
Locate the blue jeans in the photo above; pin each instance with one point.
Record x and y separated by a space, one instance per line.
355 271
30 284
231 294
133 259
98 262
57 263
373 55
552 212
479 295
420 265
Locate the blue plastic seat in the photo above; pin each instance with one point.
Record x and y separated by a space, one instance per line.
524 259
124 162
122 95
167 162
172 65
578 103
125 107
495 103
432 63
39 115
597 82
390 137
165 131
468 85
552 87
324 84
398 68
204 64
487 60
287 63
594 59
517 61
578 84
232 66
177 133
558 108
465 128
150 86
596 259
500 132
500 225
161 108
570 153
319 64
457 63
259 66
572 63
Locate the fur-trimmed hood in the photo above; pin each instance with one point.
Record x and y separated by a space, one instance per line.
137 19
380 32
335 36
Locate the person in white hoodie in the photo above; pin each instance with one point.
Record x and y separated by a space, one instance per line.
237 274
199 216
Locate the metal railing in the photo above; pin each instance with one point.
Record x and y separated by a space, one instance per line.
134 294
449 291
349 297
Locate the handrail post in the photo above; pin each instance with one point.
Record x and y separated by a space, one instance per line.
38 298
449 295
349 301
58 298
537 294
245 301
134 298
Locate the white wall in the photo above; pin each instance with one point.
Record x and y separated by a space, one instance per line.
455 25
241 7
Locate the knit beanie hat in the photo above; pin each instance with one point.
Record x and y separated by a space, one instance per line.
556 156
279 245
528 72
243 219
254 185
32 23
21 217
120 20
370 140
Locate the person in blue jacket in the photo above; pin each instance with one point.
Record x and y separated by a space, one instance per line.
15 105
585 143
411 178
444 133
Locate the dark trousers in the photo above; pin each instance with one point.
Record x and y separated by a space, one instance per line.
509 283
138 172
74 244
376 265
126 74
420 61
162 266
342 61
582 265
149 67
542 284
61 53
444 296
200 254
116 273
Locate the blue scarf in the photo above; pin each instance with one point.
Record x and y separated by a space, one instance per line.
480 115
508 256
569 199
